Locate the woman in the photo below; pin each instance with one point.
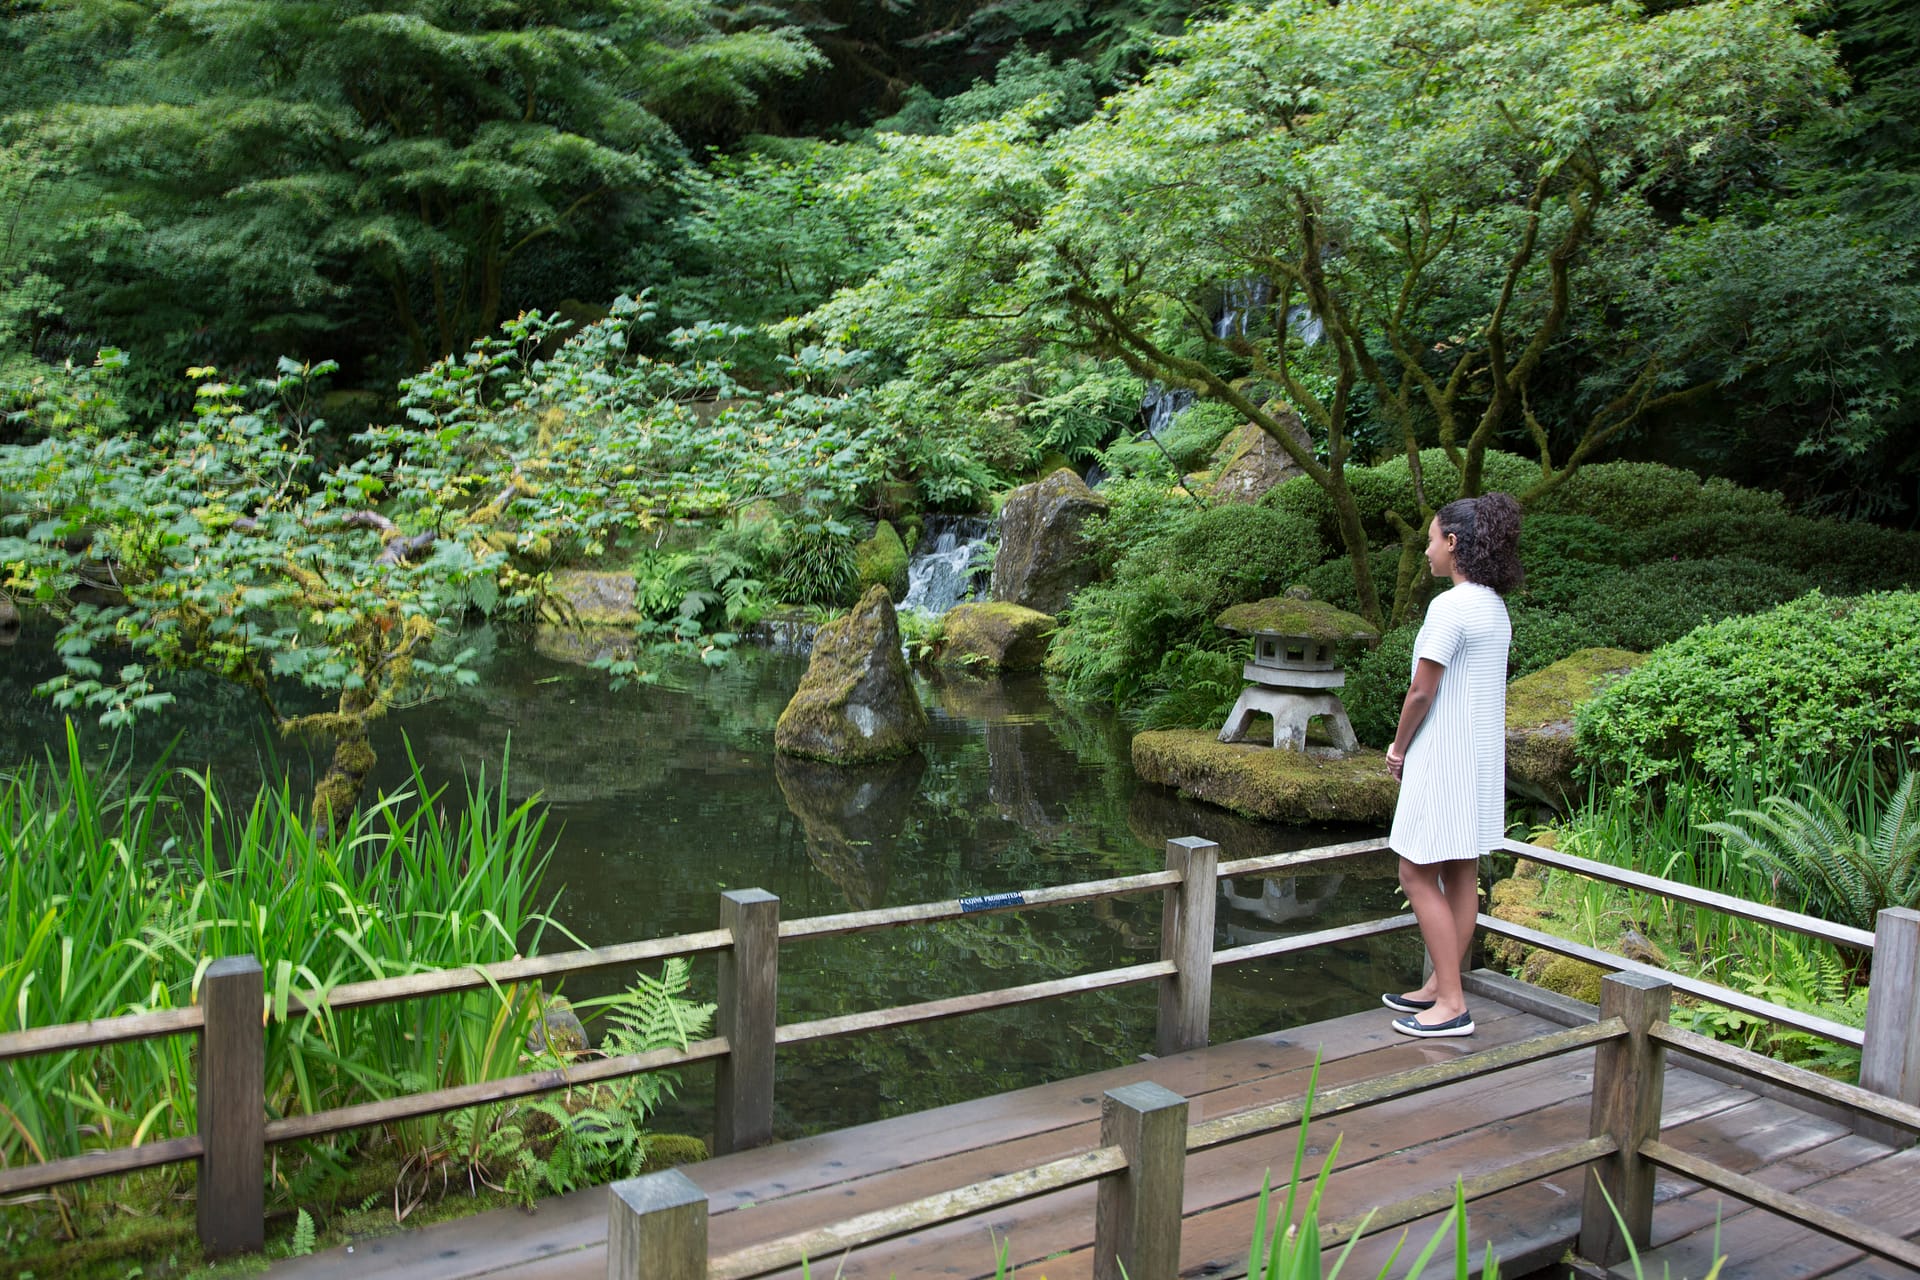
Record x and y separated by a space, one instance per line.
1450 753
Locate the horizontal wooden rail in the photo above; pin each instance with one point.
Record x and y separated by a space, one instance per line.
1797 1209
1400 1084
957 908
1726 904
98 1164
100 1031
414 1105
974 1002
946 1206
1713 992
1799 1079
440 982
1307 941
1271 862
1571 1156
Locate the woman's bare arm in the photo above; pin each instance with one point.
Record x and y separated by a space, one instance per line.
1419 700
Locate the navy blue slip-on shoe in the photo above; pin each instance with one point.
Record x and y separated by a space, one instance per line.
1405 1004
1412 1026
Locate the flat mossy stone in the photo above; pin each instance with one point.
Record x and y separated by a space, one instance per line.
1540 711
995 636
1308 619
595 598
856 704
1260 782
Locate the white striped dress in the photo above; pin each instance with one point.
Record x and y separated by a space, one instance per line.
1453 788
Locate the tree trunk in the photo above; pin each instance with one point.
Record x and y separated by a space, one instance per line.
338 792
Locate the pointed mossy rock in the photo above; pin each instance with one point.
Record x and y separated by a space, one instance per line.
992 636
594 598
1540 711
882 560
856 703
1260 782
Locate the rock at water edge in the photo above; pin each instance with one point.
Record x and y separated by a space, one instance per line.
995 637
1540 711
1042 560
1249 461
856 703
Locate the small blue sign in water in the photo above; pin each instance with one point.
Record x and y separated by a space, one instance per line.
993 902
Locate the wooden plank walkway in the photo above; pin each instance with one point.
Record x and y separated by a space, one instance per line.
1388 1152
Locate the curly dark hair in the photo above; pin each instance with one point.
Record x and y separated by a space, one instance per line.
1486 532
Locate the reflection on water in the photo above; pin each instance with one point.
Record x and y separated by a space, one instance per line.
660 797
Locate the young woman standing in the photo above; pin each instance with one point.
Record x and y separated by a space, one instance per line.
1450 753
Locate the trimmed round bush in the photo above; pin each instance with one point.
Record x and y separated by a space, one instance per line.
1504 472
1332 581
1845 557
1541 638
1653 604
1817 676
1634 495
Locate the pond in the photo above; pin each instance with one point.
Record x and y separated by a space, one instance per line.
660 797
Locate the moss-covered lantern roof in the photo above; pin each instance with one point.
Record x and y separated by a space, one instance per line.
1306 619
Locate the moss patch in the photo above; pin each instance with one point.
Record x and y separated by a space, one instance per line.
596 599
1260 782
995 636
1540 711
1567 976
856 703
1312 619
882 559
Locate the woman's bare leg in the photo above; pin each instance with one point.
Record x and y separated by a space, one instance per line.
1441 932
1461 884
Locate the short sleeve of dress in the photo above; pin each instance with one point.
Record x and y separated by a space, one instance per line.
1442 635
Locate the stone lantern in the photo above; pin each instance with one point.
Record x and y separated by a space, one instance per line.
1297 645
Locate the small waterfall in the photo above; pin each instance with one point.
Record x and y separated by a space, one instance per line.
1308 326
1243 300
1161 405
938 576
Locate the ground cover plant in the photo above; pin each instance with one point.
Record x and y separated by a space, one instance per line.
115 893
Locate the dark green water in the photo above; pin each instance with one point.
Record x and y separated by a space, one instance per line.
661 797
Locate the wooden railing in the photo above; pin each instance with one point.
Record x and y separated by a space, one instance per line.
234 1130
657 1225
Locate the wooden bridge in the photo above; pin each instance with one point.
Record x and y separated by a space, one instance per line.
1154 1167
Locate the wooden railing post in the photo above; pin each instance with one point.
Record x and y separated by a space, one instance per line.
1186 939
748 1015
1890 1058
657 1228
1136 1224
1629 1079
231 1200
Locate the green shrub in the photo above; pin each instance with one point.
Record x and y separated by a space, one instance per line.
1167 588
1816 675
1844 557
1377 684
1635 495
1332 581
1654 604
1504 472
1541 638
819 565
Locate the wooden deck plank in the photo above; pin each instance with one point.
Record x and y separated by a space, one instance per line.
1763 1246
1389 1151
905 1183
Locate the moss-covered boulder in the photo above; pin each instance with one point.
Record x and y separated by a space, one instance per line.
1042 560
1540 710
1277 786
882 561
596 599
1249 462
856 703
9 619
995 637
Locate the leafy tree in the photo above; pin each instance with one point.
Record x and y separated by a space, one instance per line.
1450 191
221 545
290 168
